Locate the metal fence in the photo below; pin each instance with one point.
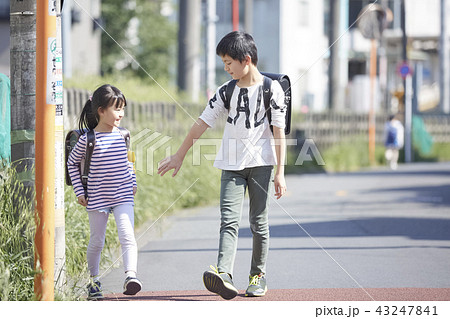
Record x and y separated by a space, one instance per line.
159 115
438 126
326 129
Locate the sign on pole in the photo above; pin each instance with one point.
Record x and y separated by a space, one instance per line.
404 69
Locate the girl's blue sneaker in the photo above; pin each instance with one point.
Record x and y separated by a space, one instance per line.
132 286
94 291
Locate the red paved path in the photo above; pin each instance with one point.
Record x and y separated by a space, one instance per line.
316 294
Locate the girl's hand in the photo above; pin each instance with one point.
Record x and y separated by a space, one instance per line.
82 201
171 162
280 185
134 190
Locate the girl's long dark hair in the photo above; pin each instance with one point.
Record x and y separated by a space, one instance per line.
103 97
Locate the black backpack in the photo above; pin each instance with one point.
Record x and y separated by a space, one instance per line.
391 139
268 77
72 139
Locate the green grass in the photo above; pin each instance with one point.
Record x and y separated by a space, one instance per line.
350 155
16 239
136 89
157 198
440 152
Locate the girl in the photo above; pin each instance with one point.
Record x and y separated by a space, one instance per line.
111 185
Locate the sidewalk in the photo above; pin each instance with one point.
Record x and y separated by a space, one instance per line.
382 235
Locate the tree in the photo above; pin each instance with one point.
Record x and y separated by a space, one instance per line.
115 16
144 32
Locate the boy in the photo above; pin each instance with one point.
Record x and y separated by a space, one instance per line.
246 158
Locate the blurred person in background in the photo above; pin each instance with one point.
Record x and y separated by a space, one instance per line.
394 139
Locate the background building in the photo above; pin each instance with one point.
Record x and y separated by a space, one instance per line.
291 39
81 37
422 27
294 37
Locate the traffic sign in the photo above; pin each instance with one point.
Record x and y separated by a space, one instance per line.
373 19
404 69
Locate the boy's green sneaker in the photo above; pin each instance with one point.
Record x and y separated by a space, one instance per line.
220 284
257 286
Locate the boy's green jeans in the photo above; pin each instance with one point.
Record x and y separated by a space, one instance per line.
233 187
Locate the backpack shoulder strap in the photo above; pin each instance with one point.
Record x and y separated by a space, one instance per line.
267 93
90 144
70 142
126 136
229 93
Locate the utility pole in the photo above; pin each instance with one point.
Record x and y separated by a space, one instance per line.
338 70
331 32
46 94
248 18
407 87
211 19
235 15
189 48
66 23
444 57
23 81
372 121
371 22
23 123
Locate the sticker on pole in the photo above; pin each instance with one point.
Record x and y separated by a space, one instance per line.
52 7
54 73
404 69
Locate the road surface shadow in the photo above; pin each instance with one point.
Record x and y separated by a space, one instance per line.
433 195
413 228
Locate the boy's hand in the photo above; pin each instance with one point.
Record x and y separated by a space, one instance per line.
82 201
280 185
134 190
171 162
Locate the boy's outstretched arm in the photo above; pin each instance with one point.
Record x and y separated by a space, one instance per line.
280 149
176 160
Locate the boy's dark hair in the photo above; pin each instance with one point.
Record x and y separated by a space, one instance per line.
103 97
238 45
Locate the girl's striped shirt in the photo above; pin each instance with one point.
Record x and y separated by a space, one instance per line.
111 177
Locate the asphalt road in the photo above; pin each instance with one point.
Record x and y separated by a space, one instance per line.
371 235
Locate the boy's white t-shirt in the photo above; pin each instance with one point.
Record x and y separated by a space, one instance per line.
247 139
